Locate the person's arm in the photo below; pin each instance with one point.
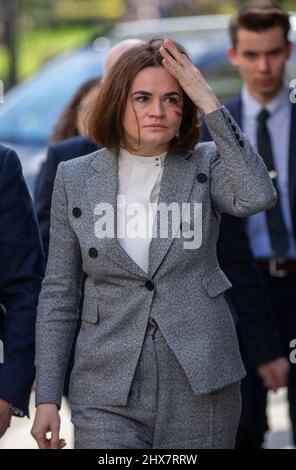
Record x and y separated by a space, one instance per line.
249 302
58 312
240 184
21 273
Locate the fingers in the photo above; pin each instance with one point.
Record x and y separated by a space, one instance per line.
42 441
271 383
54 441
62 443
271 380
168 61
178 64
39 433
274 374
172 52
47 420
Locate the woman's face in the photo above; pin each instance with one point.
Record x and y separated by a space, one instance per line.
153 112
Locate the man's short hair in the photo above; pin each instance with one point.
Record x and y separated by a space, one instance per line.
259 16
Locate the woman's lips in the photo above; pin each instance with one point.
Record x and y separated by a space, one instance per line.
157 126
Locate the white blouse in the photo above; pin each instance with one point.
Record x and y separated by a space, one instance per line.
139 180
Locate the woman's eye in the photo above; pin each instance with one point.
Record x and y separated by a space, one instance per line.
142 99
174 100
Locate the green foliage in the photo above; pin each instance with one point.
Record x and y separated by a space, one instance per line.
49 27
68 11
79 9
38 45
3 63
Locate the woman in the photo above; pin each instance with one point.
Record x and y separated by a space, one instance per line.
157 363
71 120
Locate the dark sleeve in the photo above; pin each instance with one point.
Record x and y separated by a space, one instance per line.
43 195
248 296
21 273
205 135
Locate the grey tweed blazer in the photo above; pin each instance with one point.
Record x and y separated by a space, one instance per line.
183 290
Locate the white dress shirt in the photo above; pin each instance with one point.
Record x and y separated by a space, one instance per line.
139 180
278 125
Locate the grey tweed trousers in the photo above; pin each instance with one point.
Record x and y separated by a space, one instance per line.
161 412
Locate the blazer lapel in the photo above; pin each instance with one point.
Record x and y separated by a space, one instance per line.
292 168
176 185
102 187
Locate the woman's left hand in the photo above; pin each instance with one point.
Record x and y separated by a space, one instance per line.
189 77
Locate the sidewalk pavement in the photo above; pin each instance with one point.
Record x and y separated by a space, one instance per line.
18 435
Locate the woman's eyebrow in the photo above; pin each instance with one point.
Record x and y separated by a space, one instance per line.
141 92
147 93
173 93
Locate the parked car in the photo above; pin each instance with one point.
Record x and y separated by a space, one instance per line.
31 108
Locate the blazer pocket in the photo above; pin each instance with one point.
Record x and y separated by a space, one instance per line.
216 282
90 311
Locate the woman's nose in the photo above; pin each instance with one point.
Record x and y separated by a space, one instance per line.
156 108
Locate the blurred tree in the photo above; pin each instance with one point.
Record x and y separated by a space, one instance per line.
137 9
9 33
39 29
49 12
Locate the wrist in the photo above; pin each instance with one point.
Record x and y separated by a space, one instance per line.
49 405
210 106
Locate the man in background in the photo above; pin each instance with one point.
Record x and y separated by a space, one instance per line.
260 50
21 273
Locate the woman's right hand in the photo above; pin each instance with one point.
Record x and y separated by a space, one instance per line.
47 419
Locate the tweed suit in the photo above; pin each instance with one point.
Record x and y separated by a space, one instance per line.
182 292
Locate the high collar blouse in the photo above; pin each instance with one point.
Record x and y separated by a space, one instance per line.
139 180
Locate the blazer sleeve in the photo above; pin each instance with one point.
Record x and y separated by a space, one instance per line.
58 308
240 184
21 273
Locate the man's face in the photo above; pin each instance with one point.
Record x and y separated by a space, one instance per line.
260 58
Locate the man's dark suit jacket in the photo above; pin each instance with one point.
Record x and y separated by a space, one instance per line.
250 298
21 273
246 300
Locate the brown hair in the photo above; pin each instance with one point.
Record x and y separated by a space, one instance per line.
106 114
66 125
259 16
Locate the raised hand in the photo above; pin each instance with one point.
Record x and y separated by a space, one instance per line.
189 77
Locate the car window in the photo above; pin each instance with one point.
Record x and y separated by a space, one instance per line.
31 109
